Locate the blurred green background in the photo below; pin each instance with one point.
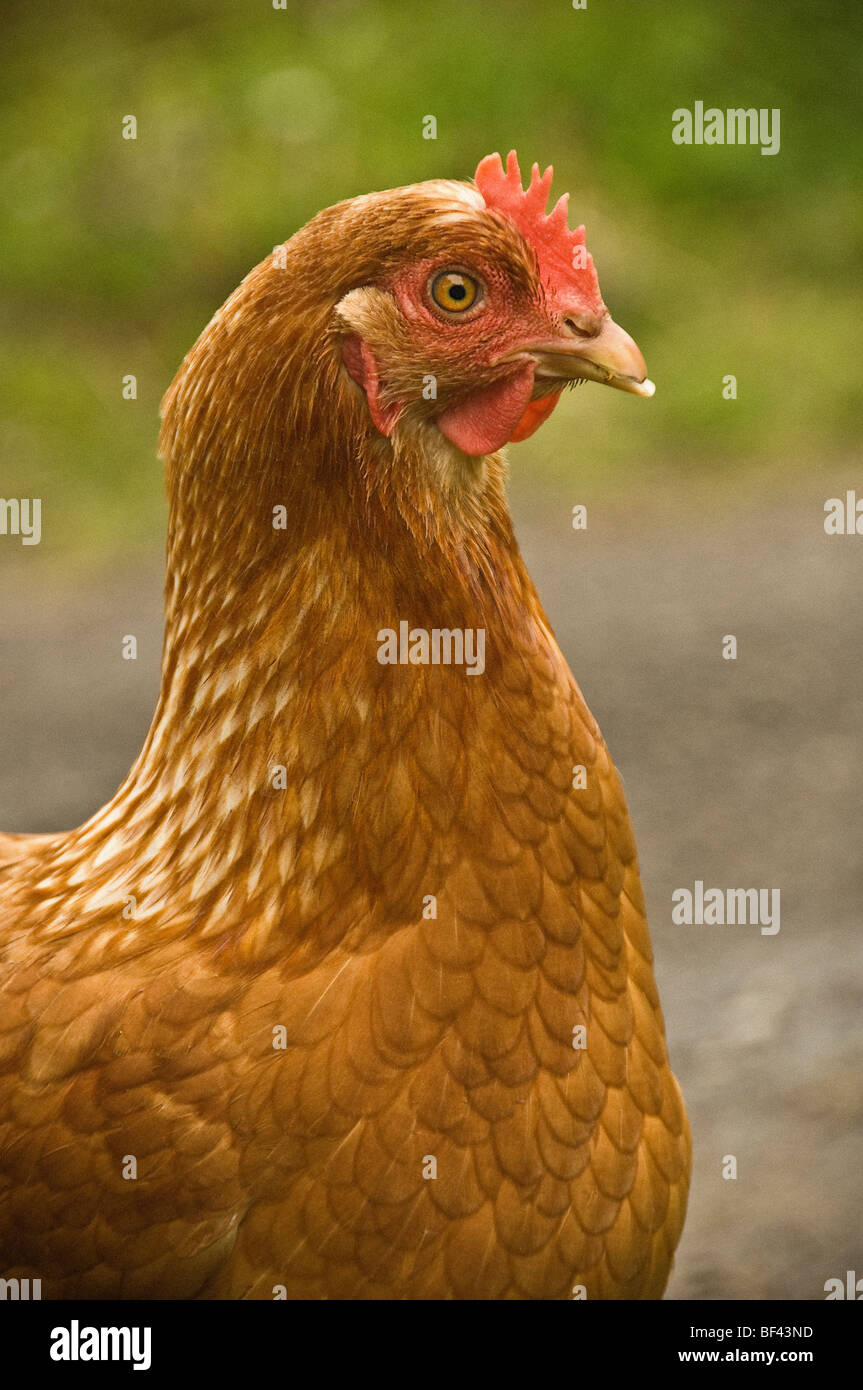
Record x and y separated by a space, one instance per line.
115 253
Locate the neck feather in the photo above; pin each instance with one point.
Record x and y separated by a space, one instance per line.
287 768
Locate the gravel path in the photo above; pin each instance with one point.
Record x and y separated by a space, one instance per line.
740 773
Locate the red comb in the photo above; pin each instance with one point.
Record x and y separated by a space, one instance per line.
565 264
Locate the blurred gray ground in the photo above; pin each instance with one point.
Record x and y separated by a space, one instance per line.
742 774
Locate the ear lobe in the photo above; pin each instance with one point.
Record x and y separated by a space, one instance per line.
361 365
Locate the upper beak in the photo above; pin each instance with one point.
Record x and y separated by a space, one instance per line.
609 356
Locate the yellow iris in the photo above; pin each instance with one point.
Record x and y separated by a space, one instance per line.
454 291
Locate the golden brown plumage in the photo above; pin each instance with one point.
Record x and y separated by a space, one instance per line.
151 957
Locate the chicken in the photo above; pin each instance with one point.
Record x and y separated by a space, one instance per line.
348 992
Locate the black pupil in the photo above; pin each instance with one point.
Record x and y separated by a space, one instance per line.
457 291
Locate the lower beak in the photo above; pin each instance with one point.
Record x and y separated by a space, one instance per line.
610 357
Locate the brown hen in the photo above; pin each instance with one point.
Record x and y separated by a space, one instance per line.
348 992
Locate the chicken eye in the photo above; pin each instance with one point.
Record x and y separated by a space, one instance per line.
454 291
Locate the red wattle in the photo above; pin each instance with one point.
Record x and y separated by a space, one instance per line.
485 421
535 414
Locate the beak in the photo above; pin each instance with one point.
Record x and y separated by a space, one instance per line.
609 356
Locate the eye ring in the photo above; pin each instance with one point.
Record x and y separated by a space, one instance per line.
454 291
